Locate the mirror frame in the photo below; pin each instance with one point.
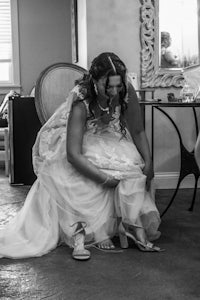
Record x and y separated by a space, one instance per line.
151 74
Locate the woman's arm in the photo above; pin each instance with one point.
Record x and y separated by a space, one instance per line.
136 129
75 132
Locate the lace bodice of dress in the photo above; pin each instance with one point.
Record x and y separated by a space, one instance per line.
97 125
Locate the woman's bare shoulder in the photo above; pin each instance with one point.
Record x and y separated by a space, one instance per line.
79 109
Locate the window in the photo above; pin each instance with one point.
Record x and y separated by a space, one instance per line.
9 47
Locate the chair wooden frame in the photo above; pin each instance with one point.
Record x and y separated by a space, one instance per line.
64 81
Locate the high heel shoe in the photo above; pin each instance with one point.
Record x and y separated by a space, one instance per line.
79 252
122 236
145 247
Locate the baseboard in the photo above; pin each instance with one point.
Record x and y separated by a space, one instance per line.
168 180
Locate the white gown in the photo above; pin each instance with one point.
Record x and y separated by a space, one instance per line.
61 196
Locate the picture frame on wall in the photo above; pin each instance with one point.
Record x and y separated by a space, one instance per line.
74 30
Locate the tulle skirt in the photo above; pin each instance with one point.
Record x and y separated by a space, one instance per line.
61 196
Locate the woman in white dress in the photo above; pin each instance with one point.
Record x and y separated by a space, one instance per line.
94 173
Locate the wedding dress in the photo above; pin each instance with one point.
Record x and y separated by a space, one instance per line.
61 196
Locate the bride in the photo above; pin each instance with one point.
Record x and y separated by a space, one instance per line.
94 173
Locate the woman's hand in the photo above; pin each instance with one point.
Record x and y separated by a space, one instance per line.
148 171
111 182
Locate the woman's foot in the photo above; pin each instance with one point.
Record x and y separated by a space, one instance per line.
147 247
106 245
138 238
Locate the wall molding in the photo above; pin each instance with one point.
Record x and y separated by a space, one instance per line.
168 180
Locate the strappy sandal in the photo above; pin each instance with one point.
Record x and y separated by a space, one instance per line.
79 252
145 247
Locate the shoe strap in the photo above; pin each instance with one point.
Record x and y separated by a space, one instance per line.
82 229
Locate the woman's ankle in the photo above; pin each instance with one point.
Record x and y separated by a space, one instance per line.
140 235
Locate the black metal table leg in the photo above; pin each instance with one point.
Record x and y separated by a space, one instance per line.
188 163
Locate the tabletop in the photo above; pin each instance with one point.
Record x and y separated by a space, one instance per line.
170 104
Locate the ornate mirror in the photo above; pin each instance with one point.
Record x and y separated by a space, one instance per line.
169 41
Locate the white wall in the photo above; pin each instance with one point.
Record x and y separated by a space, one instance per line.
44 37
114 25
107 25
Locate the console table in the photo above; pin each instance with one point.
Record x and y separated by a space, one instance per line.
188 163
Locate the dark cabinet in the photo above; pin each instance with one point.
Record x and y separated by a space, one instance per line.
24 125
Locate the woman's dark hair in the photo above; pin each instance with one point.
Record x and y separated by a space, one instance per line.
105 64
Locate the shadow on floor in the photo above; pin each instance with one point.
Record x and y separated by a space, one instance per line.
129 275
